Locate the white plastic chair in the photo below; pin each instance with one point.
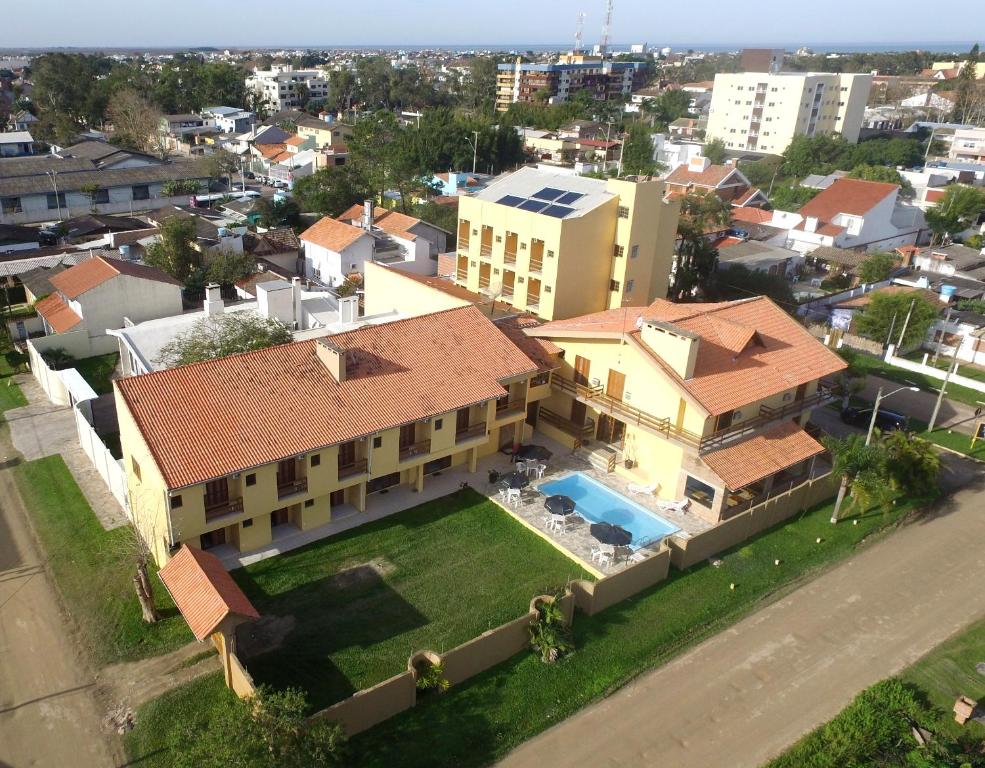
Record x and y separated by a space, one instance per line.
674 506
521 467
642 490
559 523
539 469
513 495
606 554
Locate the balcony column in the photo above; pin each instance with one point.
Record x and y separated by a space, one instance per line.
473 459
517 434
419 480
360 500
718 503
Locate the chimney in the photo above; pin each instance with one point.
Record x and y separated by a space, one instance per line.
676 347
368 214
810 224
213 300
296 295
348 309
332 357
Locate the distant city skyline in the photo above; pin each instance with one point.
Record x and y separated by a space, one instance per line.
451 23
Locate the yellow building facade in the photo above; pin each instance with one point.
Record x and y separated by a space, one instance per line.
613 246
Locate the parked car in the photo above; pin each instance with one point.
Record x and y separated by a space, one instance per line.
886 421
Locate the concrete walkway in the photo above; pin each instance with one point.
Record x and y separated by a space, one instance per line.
42 429
746 694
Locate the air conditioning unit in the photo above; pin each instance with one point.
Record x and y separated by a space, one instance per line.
596 382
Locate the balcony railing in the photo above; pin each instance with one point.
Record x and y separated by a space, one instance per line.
509 257
511 408
580 432
596 397
228 507
533 303
292 488
506 293
536 265
471 432
358 467
419 448
462 275
485 249
483 281
463 243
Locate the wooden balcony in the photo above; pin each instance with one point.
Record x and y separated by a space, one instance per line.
509 258
509 409
536 266
470 433
462 275
506 293
485 249
463 243
580 432
358 467
420 448
483 281
533 302
292 488
228 507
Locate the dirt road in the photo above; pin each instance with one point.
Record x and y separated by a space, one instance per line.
748 693
48 714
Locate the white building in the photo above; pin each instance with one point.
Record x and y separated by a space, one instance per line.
968 145
762 112
279 85
229 119
16 144
673 154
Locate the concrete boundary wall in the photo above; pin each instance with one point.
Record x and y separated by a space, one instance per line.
109 469
933 372
239 679
591 597
686 552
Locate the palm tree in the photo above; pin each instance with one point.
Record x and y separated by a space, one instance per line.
913 462
861 467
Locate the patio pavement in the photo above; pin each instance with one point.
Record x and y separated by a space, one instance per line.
576 542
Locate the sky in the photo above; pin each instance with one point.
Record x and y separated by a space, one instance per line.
318 23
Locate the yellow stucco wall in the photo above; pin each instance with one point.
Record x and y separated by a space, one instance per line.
387 290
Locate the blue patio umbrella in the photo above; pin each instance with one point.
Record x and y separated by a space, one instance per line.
517 480
608 533
559 505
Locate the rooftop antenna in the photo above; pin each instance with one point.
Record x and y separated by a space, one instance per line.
604 45
579 32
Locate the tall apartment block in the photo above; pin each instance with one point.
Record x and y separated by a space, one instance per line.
279 85
762 112
605 80
559 245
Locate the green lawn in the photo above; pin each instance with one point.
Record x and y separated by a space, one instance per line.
874 366
11 362
444 572
944 362
955 441
479 721
93 568
98 370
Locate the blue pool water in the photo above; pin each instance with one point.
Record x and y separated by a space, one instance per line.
599 504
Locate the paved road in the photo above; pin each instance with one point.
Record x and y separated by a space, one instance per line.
921 404
746 694
48 715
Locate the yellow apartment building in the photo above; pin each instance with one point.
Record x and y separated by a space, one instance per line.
762 112
238 451
700 401
558 246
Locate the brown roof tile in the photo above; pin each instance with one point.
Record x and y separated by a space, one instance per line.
60 316
97 270
851 196
204 591
331 234
765 454
397 373
712 176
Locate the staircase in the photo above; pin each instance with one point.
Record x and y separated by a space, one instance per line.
600 456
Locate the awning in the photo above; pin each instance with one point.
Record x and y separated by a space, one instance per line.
204 591
765 454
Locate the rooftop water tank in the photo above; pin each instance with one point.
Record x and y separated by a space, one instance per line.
223 232
947 292
125 252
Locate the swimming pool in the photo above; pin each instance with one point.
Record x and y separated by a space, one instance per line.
599 504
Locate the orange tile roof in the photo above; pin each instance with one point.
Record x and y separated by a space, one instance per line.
851 196
934 195
93 272
544 352
752 215
749 195
729 372
296 141
282 401
765 454
204 591
331 234
712 177
59 315
391 222
270 151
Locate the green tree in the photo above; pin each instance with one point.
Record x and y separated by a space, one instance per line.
479 88
268 729
877 267
331 191
91 191
884 174
819 154
667 107
696 258
223 335
637 152
739 282
278 213
173 252
229 267
342 89
957 210
136 122
862 469
303 94
222 164
763 172
715 151
874 323
791 197
914 463
966 90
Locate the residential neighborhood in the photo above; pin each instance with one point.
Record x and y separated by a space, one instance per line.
374 397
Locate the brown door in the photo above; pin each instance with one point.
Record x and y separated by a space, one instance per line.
216 493
287 472
337 497
578 413
347 454
280 517
212 538
582 367
407 432
610 430
615 385
462 420
801 391
724 421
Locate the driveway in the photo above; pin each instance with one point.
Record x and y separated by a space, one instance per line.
746 694
920 404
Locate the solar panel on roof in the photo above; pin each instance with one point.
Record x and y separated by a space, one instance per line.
534 206
548 193
568 197
511 200
558 211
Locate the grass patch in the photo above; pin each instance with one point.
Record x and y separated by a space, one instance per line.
11 362
945 361
98 370
481 720
439 574
955 441
874 366
93 569
191 661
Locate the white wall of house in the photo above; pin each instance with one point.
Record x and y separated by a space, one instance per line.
107 304
330 267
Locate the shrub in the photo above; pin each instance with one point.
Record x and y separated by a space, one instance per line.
550 635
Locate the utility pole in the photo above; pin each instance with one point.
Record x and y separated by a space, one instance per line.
951 368
606 29
940 341
579 32
475 150
52 175
905 323
892 325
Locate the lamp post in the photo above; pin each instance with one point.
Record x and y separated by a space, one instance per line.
475 148
875 408
52 175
